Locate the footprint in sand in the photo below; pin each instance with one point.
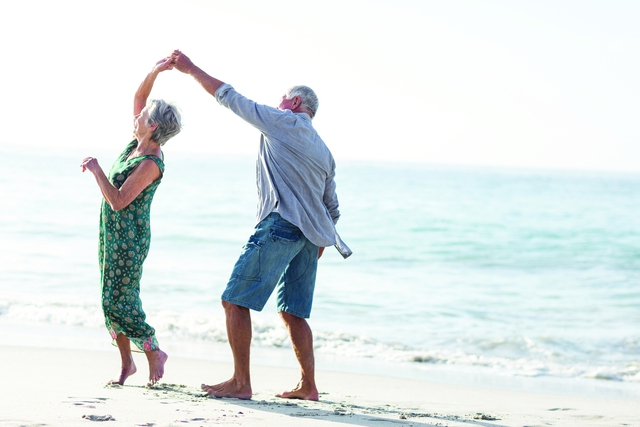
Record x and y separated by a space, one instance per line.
485 417
87 403
98 417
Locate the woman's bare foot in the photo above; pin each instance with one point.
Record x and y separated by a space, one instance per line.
229 388
303 390
125 372
157 359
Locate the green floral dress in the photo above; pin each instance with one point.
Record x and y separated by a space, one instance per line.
125 236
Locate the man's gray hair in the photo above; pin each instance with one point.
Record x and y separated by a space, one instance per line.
168 118
308 97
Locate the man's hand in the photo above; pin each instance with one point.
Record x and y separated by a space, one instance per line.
320 251
184 64
181 61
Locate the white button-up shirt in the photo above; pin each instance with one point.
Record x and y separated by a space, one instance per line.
295 170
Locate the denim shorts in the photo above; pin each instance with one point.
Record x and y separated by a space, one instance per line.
278 256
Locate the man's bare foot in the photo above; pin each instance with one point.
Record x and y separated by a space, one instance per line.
229 388
157 359
125 372
303 390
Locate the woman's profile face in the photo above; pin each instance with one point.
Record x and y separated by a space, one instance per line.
140 126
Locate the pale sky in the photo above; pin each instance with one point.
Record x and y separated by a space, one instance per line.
550 84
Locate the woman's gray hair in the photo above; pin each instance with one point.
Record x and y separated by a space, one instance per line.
308 97
168 118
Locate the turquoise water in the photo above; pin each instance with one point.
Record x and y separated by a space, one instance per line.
521 273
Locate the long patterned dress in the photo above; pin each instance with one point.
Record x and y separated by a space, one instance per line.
125 236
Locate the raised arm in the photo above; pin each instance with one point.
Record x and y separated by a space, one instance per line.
140 98
184 64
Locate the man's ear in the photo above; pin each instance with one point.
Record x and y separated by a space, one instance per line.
153 126
297 101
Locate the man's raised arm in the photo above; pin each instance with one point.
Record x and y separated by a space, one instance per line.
183 63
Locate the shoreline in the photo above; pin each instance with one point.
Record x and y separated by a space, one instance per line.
42 337
58 387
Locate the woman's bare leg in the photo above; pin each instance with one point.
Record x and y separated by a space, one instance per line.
127 368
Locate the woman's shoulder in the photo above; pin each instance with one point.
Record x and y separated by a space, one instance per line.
152 157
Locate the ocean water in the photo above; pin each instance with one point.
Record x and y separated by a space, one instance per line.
522 275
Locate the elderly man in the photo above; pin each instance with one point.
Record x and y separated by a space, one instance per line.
297 212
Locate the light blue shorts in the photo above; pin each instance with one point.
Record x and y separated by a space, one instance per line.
276 255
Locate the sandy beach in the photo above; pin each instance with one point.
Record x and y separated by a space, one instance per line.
58 387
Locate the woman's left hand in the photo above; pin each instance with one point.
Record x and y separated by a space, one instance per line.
164 64
90 164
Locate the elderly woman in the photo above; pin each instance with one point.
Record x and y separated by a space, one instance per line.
124 225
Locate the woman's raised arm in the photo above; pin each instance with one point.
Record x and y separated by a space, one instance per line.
140 98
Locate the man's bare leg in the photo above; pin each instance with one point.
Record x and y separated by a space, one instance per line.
127 367
157 359
239 334
302 342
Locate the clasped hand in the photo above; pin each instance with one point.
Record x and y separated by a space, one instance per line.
90 164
